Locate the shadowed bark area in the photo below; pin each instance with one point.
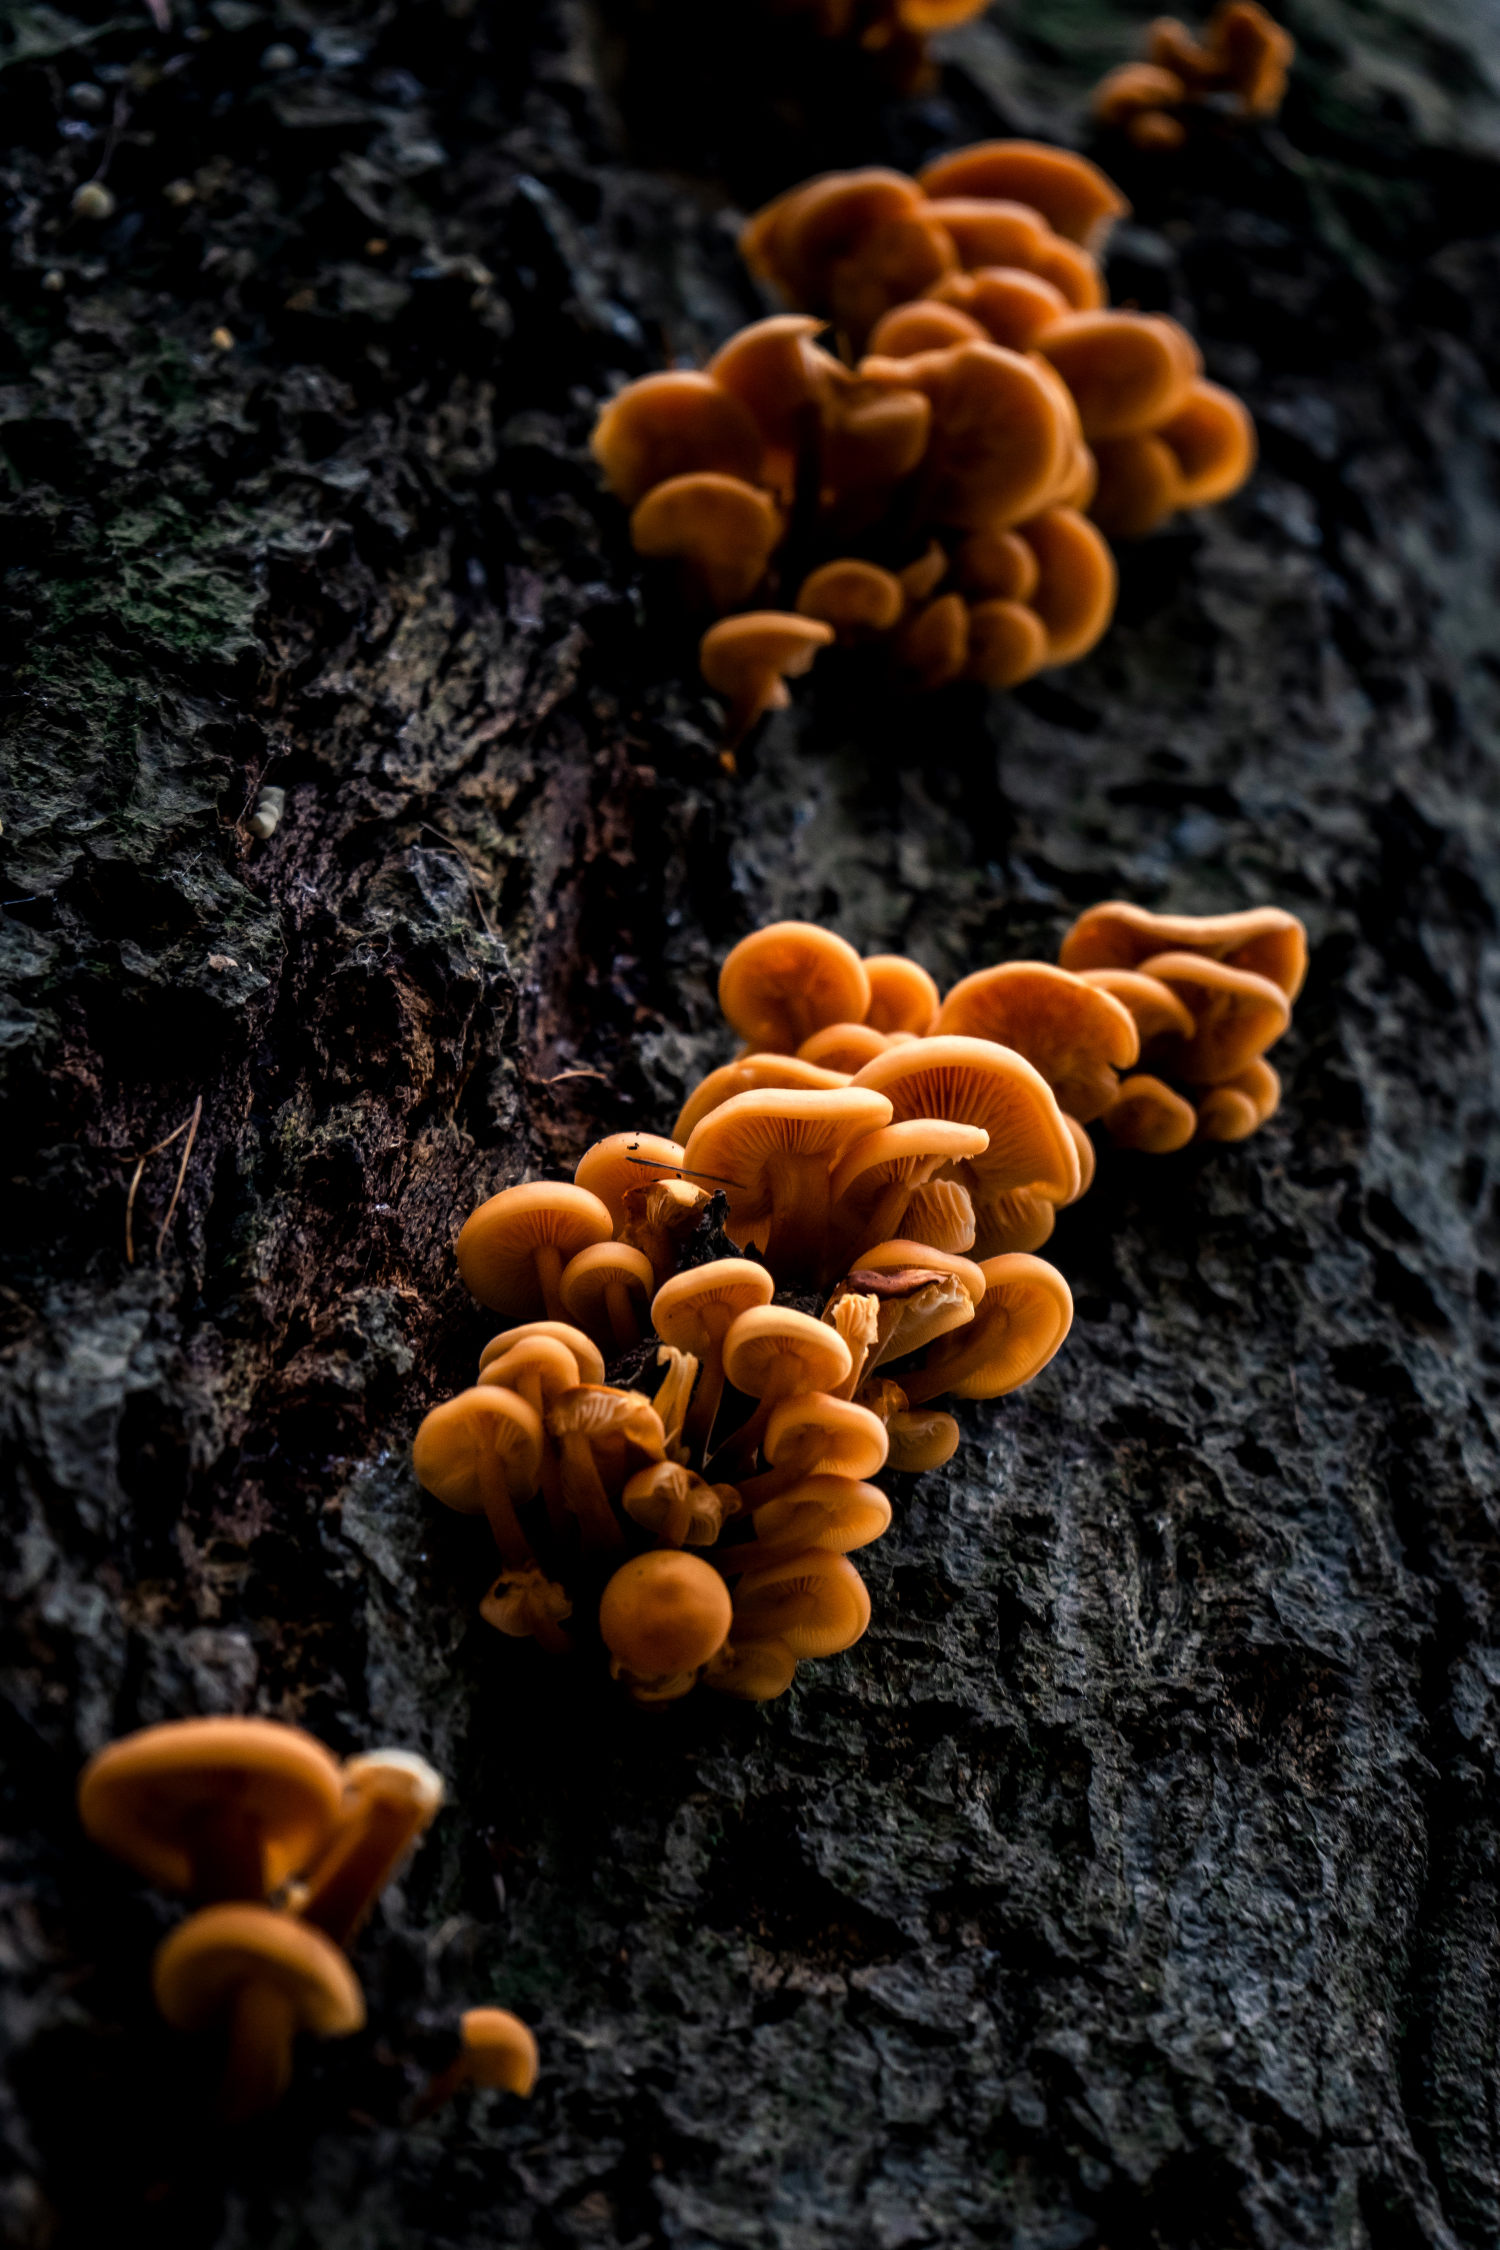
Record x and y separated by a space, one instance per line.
1134 1884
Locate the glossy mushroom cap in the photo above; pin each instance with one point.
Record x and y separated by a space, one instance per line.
1010 304
772 1351
1236 1016
1002 435
584 1349
1128 372
719 530
815 1603
1147 1115
924 326
1264 939
849 245
1076 584
836 1515
664 1614
607 1288
673 425
1079 1038
498 2050
753 1074
266 1976
921 1439
1234 1110
215 1807
774 1153
815 1434
1019 1323
458 1439
1211 438
973 1082
748 659
1000 565
858 599
622 1161
1073 195
512 1250
536 1368
790 979
391 1799
903 997
1139 485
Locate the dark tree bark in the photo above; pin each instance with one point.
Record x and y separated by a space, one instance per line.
1135 1882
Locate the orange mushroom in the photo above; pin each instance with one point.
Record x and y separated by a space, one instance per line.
774 370
1077 1036
903 996
844 1047
933 645
1155 129
772 1353
658 1220
973 1082
606 1288
695 1311
988 231
1212 442
749 659
512 1250
835 1515
583 1348
1019 1324
997 565
1076 583
1236 1016
604 1435
1127 371
850 245
1147 1115
755 1671
1233 1110
662 1617
1002 434
527 1605
1120 96
1007 644
751 1074
1139 484
677 1506
674 425
815 1603
263 1978
926 325
622 1161
480 1454
1264 939
940 1216
1155 1008
775 1153
1012 305
496 2051
391 1799
1073 195
859 600
878 1175
719 530
787 980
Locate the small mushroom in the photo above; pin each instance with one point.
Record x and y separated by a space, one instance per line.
1128 372
606 1288
674 425
583 1348
1009 304
815 1434
997 566
527 1605
720 531
496 2051
604 1436
1073 195
1264 939
658 1220
479 1454
1211 438
849 245
933 645
774 369
1236 1016
1007 644
858 599
1155 1008
1232 1111
1147 1115
678 1507
928 325
391 1799
615 1166
695 1311
775 1154
843 1047
1139 485
662 1617
1018 1325
920 1295
263 1978
921 1439
1138 89
1076 584
749 659
754 1074
512 1250
854 1315
1078 1037
835 1515
974 1082
771 1353
755 1671
903 996
219 1808
1002 434
815 1603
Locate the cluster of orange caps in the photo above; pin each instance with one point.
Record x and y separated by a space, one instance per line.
1243 57
899 1154
895 32
287 1850
941 483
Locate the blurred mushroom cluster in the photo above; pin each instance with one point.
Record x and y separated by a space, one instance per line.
895 32
285 1851
924 456
1241 64
888 1159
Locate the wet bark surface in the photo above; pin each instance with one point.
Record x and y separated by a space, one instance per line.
1135 1881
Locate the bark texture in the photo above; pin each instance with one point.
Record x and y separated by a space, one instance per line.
1135 1882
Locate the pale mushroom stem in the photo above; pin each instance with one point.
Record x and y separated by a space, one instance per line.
624 1326
258 2066
530 1388
500 1510
583 1490
346 1882
699 1426
228 1856
549 1267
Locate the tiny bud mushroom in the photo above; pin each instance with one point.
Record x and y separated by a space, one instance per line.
391 1798
219 1808
662 1617
496 2050
263 1977
512 1250
720 531
527 1605
1147 1115
750 1075
748 660
1018 1325
816 1603
479 1454
674 425
1212 440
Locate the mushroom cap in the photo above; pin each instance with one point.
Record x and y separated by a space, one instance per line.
747 1142
520 1600
456 1438
940 1216
998 565
653 1492
1087 1162
1117 935
721 529
1236 1016
1127 371
1255 53
934 643
1077 1036
1139 484
926 325
498 2050
874 432
747 659
1076 584
664 1613
152 1798
201 1965
587 1353
586 1279
771 1351
1135 86
1012 305
1225 1113
991 231
1020 1322
1155 1008
1074 273
845 1047
497 1244
1211 438
772 369
756 1671
1007 644
893 1152
694 1310
752 1074
905 1256
672 425
836 1515
903 997
397 1776
622 1161
1154 129
920 580
1149 1116
816 1603
796 240
598 1411
825 1436
974 1082
1073 195
1002 435
921 1439
858 599
789 979
546 1358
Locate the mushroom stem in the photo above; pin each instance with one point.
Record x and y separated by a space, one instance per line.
500 1510
549 1267
756 1491
743 1445
258 2066
228 1855
344 1887
583 1490
699 1426
799 1215
884 1222
622 1321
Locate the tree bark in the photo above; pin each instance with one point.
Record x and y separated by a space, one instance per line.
1135 1881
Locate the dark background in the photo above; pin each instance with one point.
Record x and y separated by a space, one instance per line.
1135 1882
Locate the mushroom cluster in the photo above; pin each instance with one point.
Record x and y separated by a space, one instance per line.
284 1851
895 32
1242 62
938 483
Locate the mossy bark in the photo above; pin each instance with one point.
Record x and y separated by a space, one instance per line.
1136 1880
